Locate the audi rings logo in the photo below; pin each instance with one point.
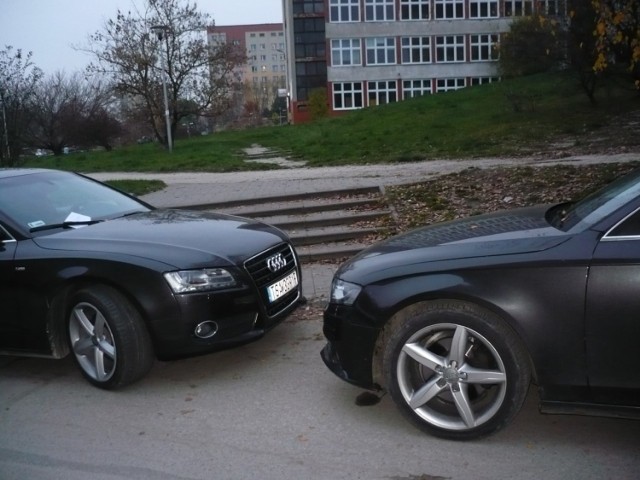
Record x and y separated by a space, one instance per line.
277 262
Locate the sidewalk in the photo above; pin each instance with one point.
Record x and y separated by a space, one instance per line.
194 188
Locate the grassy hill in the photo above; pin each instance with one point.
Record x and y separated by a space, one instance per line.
537 115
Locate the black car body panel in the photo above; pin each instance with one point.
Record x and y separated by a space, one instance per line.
569 293
131 253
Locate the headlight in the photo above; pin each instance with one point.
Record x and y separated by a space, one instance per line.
344 293
186 281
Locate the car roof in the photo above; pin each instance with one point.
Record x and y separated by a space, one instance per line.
18 172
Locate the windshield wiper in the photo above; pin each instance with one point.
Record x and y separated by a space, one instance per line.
53 226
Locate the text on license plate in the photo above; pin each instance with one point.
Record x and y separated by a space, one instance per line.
281 287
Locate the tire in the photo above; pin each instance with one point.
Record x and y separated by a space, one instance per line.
108 338
455 370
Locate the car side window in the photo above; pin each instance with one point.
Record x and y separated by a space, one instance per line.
4 235
629 227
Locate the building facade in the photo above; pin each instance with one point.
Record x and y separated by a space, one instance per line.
265 71
372 52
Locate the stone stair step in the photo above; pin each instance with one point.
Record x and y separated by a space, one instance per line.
226 206
322 219
337 251
330 235
297 207
324 226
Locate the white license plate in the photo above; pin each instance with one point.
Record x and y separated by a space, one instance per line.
281 287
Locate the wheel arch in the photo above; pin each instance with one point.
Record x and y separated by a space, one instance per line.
399 316
60 308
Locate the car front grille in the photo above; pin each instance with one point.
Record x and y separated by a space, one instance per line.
263 276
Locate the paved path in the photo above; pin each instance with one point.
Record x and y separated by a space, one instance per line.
190 188
193 188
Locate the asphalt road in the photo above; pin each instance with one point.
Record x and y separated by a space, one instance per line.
271 410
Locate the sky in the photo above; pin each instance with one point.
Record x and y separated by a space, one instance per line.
49 28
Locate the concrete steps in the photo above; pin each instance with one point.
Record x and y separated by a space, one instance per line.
324 226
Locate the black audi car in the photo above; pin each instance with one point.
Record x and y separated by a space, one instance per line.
87 269
456 319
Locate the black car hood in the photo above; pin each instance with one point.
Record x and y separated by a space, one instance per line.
179 238
501 233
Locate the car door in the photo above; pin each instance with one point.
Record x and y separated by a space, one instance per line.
8 301
612 327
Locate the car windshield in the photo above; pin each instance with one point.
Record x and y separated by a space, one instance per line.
46 200
593 208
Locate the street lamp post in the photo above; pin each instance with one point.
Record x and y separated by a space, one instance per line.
160 31
4 127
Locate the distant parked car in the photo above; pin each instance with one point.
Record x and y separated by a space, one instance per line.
456 319
89 270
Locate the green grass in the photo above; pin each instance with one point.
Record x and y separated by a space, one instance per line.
474 122
137 187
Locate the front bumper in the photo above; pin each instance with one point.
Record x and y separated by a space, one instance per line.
238 318
350 348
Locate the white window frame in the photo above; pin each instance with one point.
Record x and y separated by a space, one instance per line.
381 49
449 9
343 11
518 8
379 10
348 96
420 46
415 10
483 47
349 49
552 7
484 8
474 81
416 88
385 90
450 84
450 49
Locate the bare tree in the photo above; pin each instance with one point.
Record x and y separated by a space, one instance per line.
19 79
72 111
199 78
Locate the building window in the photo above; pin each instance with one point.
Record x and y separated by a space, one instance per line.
344 10
254 69
346 52
379 10
448 84
415 9
449 9
483 8
253 47
450 49
550 7
382 92
482 80
415 88
308 6
381 51
518 8
347 96
416 50
483 48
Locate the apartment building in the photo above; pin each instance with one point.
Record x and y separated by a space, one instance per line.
265 71
372 52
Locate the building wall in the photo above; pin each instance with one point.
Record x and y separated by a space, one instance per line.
266 68
382 51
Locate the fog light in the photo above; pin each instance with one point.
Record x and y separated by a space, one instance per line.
206 329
